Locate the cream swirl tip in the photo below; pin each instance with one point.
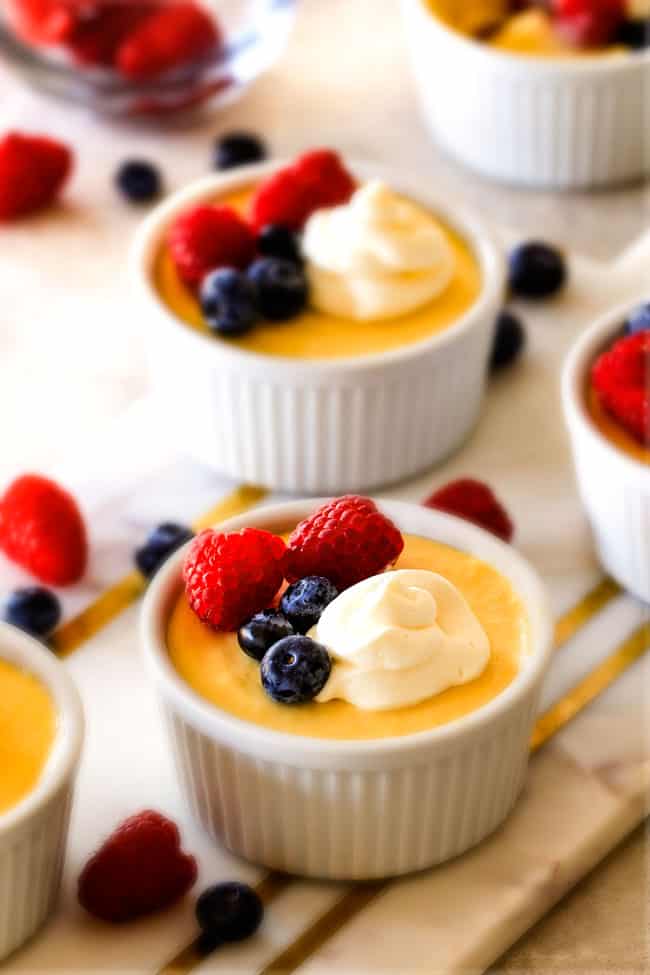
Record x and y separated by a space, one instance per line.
377 256
398 638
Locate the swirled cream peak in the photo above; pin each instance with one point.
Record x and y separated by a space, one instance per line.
377 256
399 638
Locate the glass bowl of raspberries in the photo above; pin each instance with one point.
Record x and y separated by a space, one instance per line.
143 57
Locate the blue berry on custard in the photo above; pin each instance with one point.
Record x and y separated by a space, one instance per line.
160 544
138 181
238 149
295 670
276 240
34 609
263 630
304 601
228 302
537 270
638 320
226 912
280 288
509 341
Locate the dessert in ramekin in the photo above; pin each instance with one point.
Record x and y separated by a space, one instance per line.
607 409
327 401
370 778
42 723
524 110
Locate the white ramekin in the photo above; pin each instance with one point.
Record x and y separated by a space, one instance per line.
615 487
545 122
33 833
352 809
316 426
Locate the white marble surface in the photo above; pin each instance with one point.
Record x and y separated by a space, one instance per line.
72 362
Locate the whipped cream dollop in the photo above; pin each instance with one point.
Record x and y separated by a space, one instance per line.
378 256
399 638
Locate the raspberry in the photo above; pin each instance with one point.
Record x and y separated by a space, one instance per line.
41 529
208 237
230 577
316 179
33 170
588 23
96 38
138 870
345 541
475 502
621 378
175 35
43 21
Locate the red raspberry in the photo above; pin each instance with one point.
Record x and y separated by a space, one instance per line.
207 237
175 35
33 170
41 529
138 870
230 577
588 23
316 179
475 502
95 38
42 21
621 378
346 540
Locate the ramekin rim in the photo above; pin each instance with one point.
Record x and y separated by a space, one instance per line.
537 64
211 719
484 245
574 375
26 652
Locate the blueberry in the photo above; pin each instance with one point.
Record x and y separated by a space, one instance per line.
280 287
635 33
228 302
237 149
262 631
537 270
509 340
160 544
304 601
138 180
639 320
228 912
276 240
34 609
295 670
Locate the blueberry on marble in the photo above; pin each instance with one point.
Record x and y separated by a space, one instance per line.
34 609
263 630
228 911
280 288
228 302
305 600
238 149
138 181
160 544
509 341
537 270
295 670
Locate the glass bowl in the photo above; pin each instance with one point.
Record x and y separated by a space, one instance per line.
77 49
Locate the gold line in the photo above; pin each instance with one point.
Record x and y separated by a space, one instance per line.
588 689
357 898
122 594
189 957
570 622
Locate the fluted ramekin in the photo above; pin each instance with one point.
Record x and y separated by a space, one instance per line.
614 486
33 833
543 122
352 809
317 425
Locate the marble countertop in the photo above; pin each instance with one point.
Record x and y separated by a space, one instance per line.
72 354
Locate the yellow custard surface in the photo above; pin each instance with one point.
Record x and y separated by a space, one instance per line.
217 669
314 335
27 730
613 431
527 32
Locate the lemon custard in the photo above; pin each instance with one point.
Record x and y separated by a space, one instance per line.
27 731
215 667
435 297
